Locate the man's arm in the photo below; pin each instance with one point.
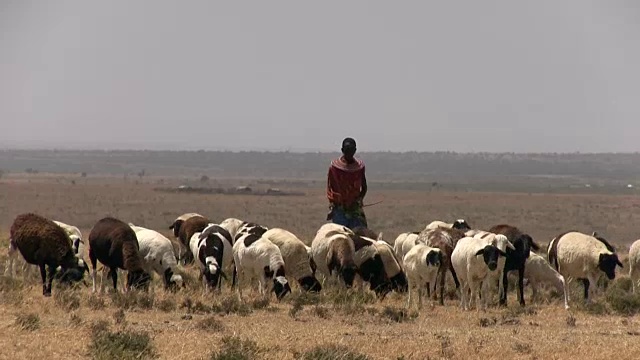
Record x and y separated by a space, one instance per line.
363 187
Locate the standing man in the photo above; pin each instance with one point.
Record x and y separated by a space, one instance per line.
346 188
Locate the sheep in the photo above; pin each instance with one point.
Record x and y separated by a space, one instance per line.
333 251
177 223
444 239
257 257
516 259
43 243
77 244
393 267
296 258
581 256
232 225
190 226
213 250
473 271
115 245
75 236
403 243
634 263
422 264
158 255
538 270
459 224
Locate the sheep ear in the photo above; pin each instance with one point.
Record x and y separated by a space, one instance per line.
619 263
594 234
480 252
380 236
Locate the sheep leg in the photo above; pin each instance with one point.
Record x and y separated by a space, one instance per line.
51 273
585 283
409 295
43 275
114 277
521 285
455 277
504 288
473 286
442 275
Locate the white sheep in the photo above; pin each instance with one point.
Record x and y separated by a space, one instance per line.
421 265
538 270
333 252
634 263
296 256
403 243
158 256
474 260
581 256
256 257
459 224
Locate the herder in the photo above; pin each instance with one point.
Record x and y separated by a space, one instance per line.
346 188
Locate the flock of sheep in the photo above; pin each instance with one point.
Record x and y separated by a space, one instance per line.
416 262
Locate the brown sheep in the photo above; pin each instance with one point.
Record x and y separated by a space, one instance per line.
115 245
189 227
444 239
43 243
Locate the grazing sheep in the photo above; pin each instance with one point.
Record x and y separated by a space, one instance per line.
213 249
634 263
296 256
189 227
422 264
256 257
538 270
177 223
332 250
232 225
459 224
444 239
115 245
43 243
75 236
516 259
583 257
473 272
392 267
370 264
403 243
158 255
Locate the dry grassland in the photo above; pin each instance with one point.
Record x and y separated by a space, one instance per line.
192 325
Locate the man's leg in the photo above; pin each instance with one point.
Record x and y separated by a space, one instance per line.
339 217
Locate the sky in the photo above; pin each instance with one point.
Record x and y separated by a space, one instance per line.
466 76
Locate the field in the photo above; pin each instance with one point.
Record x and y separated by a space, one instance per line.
191 324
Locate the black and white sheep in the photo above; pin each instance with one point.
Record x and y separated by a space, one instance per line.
333 252
115 245
634 264
213 249
190 226
158 256
538 271
583 257
43 243
296 256
516 258
474 260
421 264
257 257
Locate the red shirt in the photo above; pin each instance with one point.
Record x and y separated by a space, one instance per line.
344 181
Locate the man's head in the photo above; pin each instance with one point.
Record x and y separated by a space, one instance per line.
348 148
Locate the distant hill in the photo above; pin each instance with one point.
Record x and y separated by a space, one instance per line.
416 167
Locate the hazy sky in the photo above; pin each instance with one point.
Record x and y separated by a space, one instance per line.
509 75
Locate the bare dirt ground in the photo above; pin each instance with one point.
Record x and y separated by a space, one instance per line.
191 324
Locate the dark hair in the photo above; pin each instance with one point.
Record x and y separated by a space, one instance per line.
348 143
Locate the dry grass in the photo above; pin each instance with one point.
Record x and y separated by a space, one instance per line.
333 324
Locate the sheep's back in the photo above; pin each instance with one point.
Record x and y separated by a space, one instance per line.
191 226
40 240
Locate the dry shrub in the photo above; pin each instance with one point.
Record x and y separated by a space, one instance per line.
67 300
330 352
167 305
230 304
397 314
236 348
75 319
260 303
121 345
321 312
8 283
211 324
28 321
119 316
96 302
